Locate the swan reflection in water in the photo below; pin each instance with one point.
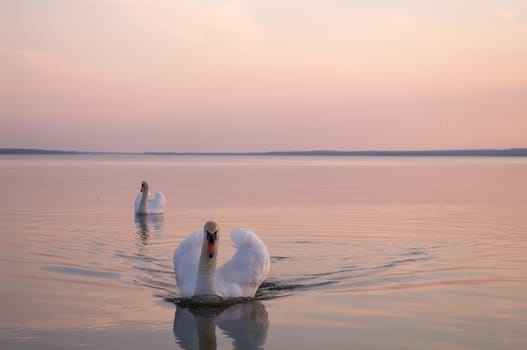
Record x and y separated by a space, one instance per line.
148 224
245 323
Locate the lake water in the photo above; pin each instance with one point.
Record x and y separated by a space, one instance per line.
367 253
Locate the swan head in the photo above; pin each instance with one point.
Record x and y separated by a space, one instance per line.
211 231
144 186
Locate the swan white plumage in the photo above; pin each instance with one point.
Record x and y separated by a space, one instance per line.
195 264
145 203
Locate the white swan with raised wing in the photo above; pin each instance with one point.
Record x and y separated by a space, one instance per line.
146 203
195 264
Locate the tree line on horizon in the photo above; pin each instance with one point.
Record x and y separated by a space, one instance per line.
460 152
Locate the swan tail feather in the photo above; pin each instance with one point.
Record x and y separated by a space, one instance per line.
156 203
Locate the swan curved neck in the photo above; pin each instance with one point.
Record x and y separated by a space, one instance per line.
144 197
206 284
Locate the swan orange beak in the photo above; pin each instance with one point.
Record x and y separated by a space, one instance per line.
212 237
211 249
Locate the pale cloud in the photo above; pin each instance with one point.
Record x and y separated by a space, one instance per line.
48 63
513 15
211 23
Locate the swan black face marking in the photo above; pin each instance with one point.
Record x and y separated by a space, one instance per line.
211 230
212 236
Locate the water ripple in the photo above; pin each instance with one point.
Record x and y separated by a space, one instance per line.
75 271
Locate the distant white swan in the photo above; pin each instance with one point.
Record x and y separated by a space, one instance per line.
195 264
145 203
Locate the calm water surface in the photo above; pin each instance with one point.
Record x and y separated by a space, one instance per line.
367 253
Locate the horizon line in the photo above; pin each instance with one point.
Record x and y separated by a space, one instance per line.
517 151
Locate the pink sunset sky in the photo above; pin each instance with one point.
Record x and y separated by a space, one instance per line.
262 75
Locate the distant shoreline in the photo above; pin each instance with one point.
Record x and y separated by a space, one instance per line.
511 152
